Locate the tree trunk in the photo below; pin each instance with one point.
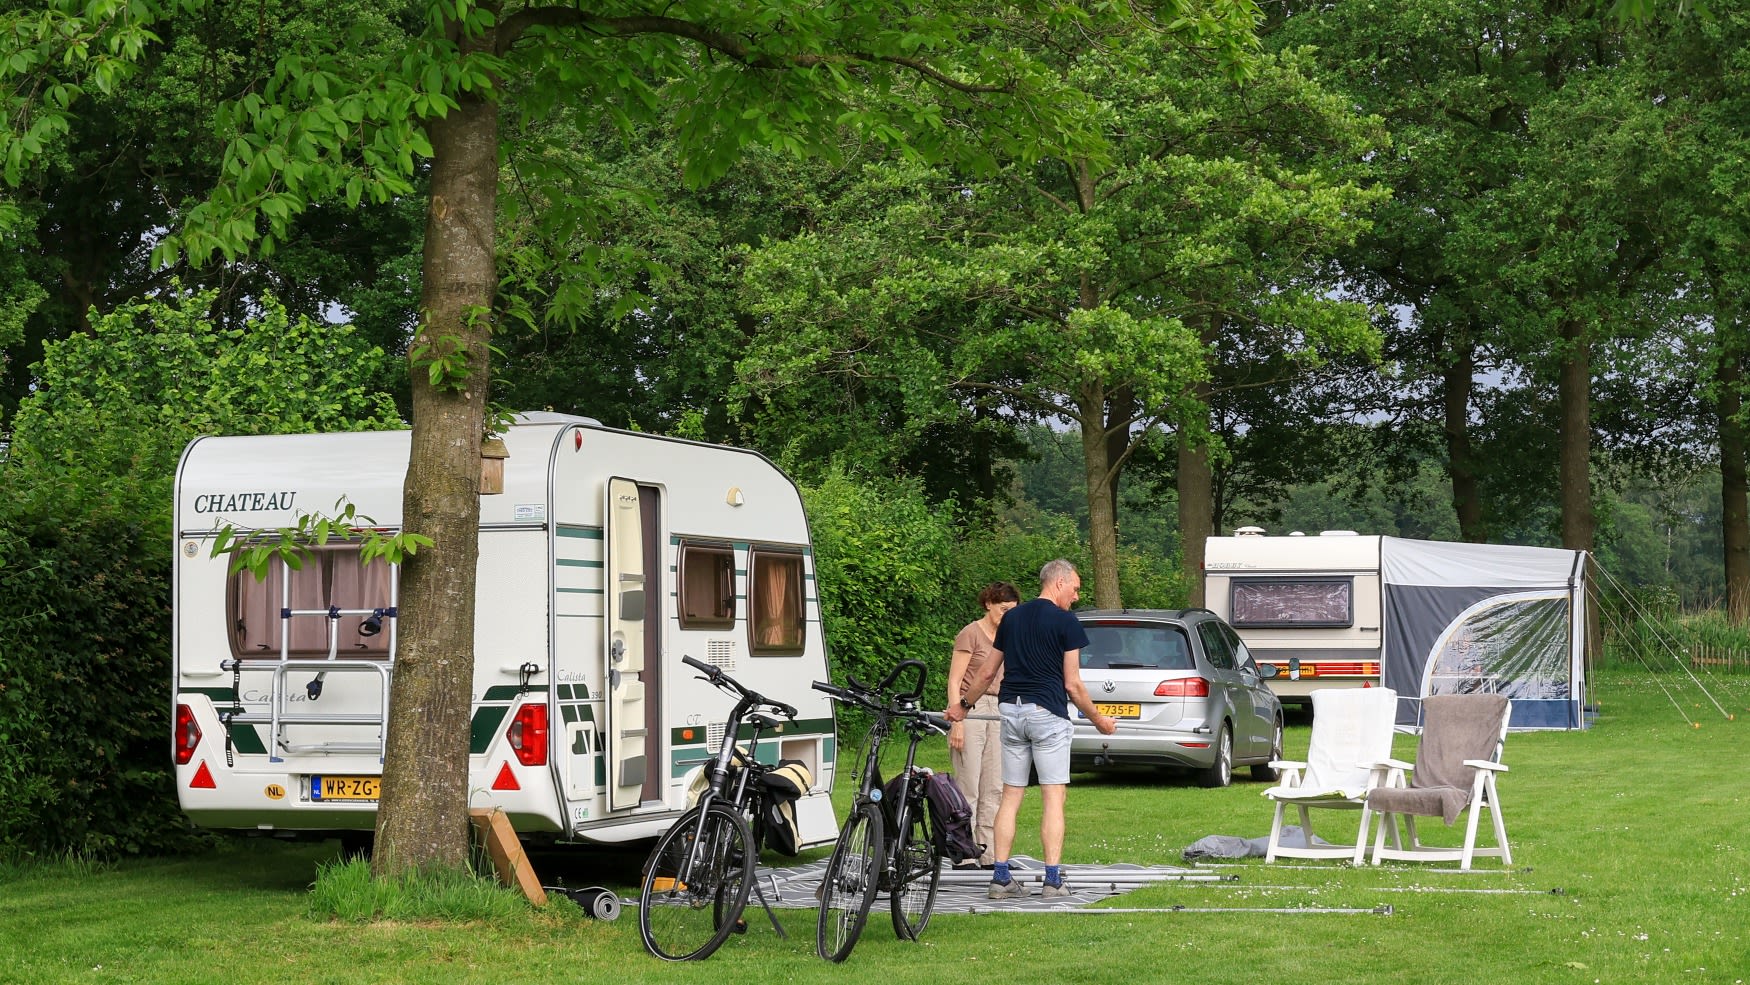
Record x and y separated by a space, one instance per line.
1734 488
1102 525
422 822
1121 408
1196 512
1575 391
1467 499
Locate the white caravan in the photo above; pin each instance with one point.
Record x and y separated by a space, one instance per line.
607 556
1309 605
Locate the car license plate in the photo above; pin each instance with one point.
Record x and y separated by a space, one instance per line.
345 787
1120 711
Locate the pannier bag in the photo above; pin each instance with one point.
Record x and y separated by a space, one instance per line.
950 814
775 827
952 817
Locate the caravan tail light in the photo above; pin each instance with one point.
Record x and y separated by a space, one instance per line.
187 735
1183 687
527 734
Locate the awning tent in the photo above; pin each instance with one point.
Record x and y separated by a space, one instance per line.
1484 617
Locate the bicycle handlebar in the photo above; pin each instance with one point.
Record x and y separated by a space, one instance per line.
716 676
900 705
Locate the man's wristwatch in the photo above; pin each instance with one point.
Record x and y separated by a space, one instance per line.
967 705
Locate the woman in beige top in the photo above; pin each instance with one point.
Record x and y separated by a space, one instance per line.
975 746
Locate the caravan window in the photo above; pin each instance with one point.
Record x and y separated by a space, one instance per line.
329 576
774 603
1293 602
707 580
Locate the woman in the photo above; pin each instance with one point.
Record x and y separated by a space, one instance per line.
975 746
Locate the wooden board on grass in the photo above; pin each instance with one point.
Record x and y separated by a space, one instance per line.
508 860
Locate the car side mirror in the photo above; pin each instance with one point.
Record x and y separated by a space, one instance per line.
1267 671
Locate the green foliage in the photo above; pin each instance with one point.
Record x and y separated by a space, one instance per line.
84 667
113 410
84 566
256 550
884 560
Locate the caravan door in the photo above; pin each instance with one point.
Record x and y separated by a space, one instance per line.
633 628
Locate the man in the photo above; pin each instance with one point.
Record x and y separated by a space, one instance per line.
1039 646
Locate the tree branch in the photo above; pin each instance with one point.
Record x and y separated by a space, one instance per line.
518 24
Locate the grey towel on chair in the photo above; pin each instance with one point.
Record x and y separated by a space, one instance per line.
1455 727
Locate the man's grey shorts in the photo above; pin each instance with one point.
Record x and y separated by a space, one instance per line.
1034 739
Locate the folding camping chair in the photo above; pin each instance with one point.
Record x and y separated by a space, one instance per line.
1351 740
1463 736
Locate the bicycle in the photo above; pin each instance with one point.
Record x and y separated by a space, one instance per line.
697 879
909 865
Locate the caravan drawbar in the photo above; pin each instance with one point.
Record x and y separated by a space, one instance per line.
607 557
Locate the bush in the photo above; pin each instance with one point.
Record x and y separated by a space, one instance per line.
84 688
85 550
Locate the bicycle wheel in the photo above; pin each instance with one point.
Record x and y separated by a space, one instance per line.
917 871
696 884
847 889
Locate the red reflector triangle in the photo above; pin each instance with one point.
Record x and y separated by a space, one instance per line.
505 781
203 779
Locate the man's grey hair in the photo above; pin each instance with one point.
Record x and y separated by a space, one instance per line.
1054 570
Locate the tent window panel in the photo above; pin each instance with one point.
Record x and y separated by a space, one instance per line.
774 602
707 580
1293 602
1518 648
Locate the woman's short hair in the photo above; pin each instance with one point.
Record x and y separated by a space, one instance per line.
998 591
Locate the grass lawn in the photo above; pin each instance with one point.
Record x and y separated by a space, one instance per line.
1632 864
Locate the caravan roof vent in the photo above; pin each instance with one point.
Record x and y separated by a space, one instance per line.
1338 533
1249 532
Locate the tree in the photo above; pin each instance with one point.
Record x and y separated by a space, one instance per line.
1074 289
332 127
135 158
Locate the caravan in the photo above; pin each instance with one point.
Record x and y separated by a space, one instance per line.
1420 617
605 557
1310 606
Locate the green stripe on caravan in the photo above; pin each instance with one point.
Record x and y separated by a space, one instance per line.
244 738
684 753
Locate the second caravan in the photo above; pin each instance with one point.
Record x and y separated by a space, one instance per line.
606 558
1311 606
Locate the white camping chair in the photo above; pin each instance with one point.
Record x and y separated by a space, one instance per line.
1463 736
1351 741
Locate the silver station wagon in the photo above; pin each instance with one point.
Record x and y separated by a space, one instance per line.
1185 691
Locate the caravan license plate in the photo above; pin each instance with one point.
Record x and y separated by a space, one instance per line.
1120 711
345 787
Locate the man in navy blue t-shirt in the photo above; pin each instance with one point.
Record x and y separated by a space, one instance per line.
1039 647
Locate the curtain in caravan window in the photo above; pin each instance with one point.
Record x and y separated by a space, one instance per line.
327 577
256 622
356 585
776 605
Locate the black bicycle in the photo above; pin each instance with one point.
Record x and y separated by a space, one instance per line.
907 866
697 880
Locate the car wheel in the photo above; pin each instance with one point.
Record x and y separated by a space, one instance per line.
1221 772
1262 771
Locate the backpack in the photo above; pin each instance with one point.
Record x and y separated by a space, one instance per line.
775 827
951 816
